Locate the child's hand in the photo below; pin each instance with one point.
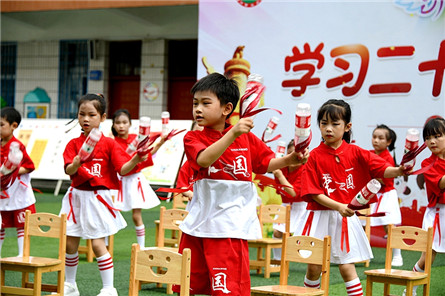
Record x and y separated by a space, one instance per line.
141 158
76 161
299 157
243 126
345 211
188 194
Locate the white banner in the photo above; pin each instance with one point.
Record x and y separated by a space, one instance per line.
385 58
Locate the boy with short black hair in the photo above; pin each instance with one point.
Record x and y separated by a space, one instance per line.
19 197
222 214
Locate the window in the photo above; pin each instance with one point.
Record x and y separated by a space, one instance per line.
8 70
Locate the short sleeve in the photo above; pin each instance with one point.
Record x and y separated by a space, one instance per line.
193 146
261 154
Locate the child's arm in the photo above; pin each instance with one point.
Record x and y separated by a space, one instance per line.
392 172
332 204
283 181
155 147
129 165
209 155
287 160
72 168
23 170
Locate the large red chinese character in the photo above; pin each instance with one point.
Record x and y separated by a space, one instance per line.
385 88
438 66
306 80
362 51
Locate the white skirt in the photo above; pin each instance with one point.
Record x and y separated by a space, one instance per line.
19 195
389 203
330 223
91 215
439 231
297 217
135 193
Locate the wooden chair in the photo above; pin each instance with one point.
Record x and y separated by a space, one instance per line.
168 220
180 201
367 229
38 225
302 249
406 238
144 264
269 214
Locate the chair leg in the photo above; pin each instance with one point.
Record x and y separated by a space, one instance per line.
368 286
409 289
37 282
169 289
60 281
267 262
386 288
426 289
259 255
90 253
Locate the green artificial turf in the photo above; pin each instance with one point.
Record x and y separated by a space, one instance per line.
89 282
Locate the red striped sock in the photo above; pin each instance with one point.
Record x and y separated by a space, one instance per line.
311 284
140 235
71 263
106 269
354 287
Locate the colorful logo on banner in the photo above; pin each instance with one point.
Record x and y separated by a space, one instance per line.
433 8
151 91
249 3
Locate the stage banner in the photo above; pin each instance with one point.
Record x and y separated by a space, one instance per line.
385 58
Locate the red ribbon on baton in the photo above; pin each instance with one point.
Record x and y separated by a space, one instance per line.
303 145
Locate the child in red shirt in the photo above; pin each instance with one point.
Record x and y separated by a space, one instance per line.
335 172
19 197
434 137
135 192
383 141
222 212
88 203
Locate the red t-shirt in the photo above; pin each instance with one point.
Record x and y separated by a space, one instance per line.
101 171
432 179
185 176
124 144
389 182
294 178
26 161
339 180
245 155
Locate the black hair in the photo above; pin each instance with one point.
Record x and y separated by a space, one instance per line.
336 110
116 114
11 115
390 136
97 100
225 89
434 126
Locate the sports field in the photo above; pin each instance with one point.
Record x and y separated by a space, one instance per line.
89 282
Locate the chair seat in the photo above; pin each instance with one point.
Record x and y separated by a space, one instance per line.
30 261
397 274
266 240
285 290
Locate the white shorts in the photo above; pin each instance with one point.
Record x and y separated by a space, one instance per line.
389 203
330 223
297 215
91 215
428 221
135 193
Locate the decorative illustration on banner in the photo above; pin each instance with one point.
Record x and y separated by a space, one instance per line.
432 8
151 91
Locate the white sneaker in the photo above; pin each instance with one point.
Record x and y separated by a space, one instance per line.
404 293
70 289
108 292
397 261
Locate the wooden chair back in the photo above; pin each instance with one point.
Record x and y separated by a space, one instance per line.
159 265
180 201
308 250
37 225
274 214
169 219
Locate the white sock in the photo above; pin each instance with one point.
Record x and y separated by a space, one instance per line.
311 284
140 235
106 269
417 269
396 253
20 238
71 263
354 287
2 239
